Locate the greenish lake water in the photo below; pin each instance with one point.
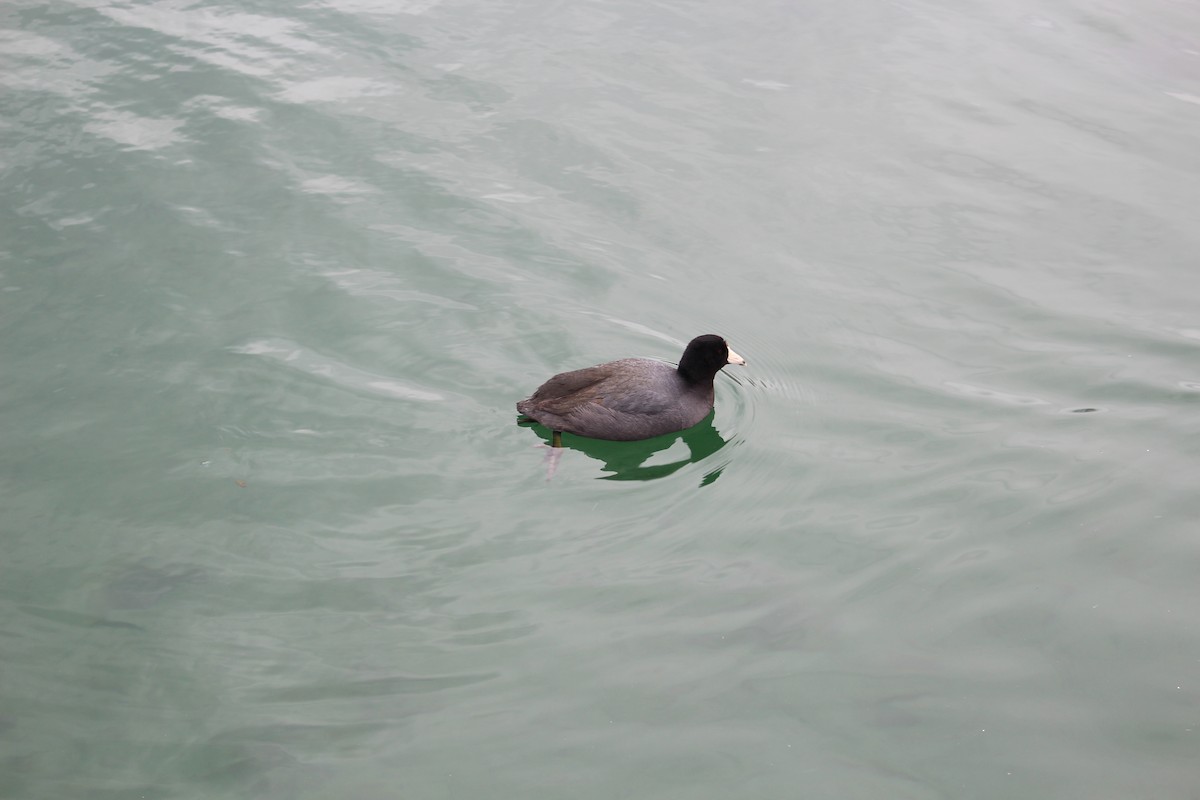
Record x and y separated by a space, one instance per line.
273 275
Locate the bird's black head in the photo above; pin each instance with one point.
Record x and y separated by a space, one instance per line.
705 356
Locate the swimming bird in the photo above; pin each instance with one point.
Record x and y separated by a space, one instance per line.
634 398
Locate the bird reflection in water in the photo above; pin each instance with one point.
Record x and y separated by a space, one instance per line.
625 461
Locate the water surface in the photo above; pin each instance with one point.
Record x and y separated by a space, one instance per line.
273 277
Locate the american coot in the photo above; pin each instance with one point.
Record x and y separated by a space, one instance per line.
634 398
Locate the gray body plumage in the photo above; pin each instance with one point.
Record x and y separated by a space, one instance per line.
634 398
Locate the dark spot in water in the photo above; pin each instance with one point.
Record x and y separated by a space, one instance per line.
1083 410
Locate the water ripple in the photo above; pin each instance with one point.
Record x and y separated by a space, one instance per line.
301 358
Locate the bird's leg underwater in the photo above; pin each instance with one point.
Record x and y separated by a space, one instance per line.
553 454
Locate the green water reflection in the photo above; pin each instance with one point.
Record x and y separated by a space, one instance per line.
626 461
